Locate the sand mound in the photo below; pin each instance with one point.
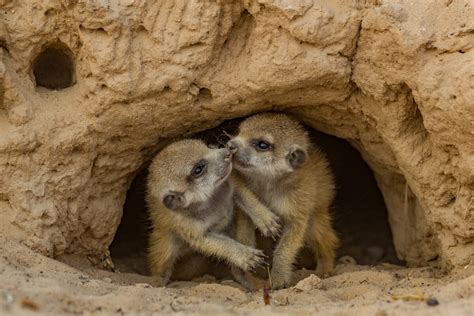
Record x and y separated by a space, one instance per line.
34 284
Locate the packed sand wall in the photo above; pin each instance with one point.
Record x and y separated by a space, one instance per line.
89 89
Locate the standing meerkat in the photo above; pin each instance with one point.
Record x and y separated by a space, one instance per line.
275 157
191 203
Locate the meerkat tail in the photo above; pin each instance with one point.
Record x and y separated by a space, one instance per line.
323 241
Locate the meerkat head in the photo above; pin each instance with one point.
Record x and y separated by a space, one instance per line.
269 144
187 173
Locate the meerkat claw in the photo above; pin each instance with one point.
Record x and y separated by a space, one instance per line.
271 228
258 260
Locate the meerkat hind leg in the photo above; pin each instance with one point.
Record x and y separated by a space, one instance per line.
191 266
291 241
162 255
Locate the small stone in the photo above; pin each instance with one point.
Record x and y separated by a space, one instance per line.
348 260
144 285
108 280
376 253
308 284
9 298
432 301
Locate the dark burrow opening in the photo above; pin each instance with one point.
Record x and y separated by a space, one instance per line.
359 213
53 68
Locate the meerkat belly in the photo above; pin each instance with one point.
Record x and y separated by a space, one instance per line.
221 208
222 219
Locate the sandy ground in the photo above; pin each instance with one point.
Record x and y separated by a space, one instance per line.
31 284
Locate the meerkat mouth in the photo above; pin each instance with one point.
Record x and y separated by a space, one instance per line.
225 174
242 164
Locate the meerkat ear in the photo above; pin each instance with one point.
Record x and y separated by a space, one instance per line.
173 200
296 157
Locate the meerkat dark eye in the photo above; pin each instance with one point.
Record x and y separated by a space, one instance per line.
261 145
199 169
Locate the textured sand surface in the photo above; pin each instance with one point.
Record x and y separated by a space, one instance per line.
34 284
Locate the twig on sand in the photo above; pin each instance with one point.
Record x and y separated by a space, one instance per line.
409 297
266 288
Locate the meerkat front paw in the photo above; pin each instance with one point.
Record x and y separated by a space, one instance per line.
250 259
269 225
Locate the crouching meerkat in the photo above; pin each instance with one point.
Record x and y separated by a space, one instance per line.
191 202
275 158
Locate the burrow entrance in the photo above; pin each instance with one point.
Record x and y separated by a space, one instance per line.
359 212
53 68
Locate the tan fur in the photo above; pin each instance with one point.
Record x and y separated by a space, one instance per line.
300 192
246 201
203 222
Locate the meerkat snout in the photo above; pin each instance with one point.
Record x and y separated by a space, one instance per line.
227 154
232 146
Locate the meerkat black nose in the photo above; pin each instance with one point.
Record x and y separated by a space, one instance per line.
232 146
227 154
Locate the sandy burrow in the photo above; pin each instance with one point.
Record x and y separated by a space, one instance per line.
392 77
34 284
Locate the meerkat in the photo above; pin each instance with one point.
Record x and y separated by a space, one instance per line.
191 201
292 177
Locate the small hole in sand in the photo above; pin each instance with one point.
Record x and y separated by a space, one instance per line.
204 95
53 68
49 12
3 44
